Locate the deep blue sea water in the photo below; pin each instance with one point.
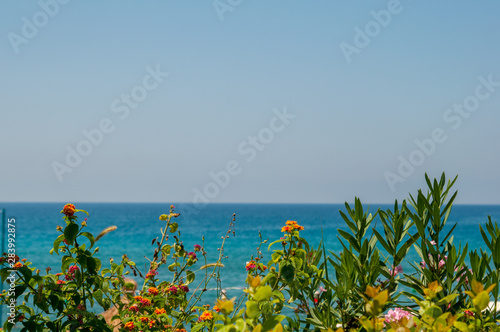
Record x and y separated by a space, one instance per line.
138 223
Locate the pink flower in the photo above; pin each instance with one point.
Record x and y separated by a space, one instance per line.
440 264
468 313
71 272
197 247
172 289
151 274
192 256
433 242
250 265
397 269
396 315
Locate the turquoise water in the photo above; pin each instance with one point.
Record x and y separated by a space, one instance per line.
137 224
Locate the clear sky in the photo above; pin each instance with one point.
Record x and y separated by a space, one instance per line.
247 101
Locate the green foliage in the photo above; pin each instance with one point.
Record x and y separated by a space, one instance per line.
357 289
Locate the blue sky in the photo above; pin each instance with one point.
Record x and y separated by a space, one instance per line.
247 101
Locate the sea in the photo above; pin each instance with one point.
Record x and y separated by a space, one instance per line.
138 224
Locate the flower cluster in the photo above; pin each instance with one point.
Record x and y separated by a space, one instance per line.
69 210
206 315
153 291
441 263
71 272
397 269
192 257
291 226
151 274
397 315
253 265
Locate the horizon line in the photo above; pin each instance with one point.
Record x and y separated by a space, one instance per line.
249 203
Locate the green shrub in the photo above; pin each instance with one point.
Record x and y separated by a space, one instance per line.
300 287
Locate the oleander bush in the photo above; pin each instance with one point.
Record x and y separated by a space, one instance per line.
298 287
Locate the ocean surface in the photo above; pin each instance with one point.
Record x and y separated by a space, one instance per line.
138 223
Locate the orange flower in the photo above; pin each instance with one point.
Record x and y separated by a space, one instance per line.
68 210
160 311
153 291
216 308
290 226
206 315
144 319
151 323
138 298
129 325
18 265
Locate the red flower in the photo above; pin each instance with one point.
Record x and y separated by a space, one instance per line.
146 302
129 325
